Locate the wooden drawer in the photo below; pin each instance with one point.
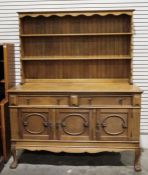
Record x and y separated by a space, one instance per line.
105 100
70 100
40 100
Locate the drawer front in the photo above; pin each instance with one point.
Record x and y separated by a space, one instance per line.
43 100
105 100
70 100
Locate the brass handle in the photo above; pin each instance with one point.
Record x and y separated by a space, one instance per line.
124 125
46 124
63 125
104 125
25 124
98 125
86 125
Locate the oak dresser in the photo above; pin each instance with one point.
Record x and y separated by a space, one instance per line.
76 93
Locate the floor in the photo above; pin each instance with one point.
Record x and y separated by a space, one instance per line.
45 163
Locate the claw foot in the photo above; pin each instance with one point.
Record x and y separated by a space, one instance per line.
137 164
14 164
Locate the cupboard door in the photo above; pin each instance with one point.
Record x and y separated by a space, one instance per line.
35 123
73 124
113 124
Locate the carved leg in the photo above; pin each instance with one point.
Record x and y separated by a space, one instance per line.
15 160
137 164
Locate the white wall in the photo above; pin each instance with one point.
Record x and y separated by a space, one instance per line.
9 33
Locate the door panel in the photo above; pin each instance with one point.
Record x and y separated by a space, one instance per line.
73 124
35 123
113 124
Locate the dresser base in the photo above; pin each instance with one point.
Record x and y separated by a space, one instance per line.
77 147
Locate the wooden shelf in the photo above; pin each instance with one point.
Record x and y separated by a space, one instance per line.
76 13
76 87
74 34
107 57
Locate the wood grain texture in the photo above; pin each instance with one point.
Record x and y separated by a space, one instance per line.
77 69
117 45
73 86
77 13
70 24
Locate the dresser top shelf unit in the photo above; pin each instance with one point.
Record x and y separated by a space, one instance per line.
76 45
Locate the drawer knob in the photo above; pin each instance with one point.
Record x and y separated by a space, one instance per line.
121 101
90 101
58 101
28 101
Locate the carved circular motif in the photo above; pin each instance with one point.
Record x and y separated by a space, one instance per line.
32 116
74 117
121 123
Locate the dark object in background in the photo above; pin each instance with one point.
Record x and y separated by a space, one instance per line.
6 81
71 159
1 71
2 91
